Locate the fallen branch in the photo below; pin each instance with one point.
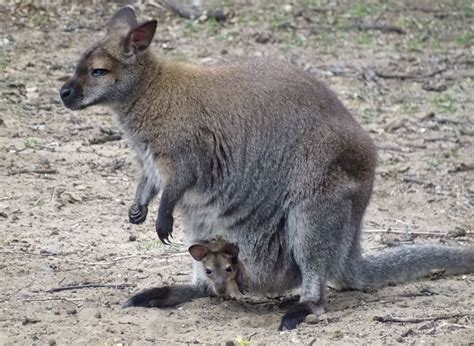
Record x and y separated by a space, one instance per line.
381 28
404 76
76 287
389 318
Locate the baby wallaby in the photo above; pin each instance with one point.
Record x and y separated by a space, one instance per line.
221 265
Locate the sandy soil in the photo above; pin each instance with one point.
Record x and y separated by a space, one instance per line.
64 197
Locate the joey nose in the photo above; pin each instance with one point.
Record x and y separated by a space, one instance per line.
65 92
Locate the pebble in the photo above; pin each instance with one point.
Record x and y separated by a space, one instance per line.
71 311
132 237
311 319
52 342
98 314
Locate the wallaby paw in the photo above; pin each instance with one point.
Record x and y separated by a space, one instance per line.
137 214
294 316
164 228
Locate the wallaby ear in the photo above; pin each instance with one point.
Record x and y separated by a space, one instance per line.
199 252
124 18
231 250
140 37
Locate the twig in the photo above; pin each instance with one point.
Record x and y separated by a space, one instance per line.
405 232
389 318
50 299
130 256
76 287
416 181
31 171
381 28
403 76
84 262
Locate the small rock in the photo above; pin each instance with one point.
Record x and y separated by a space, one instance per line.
132 237
427 326
229 343
98 314
437 87
262 38
28 320
3 214
71 311
311 319
52 342
456 233
4 42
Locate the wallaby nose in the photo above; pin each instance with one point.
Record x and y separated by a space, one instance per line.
221 290
65 92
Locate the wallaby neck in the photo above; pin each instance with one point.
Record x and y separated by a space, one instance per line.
145 90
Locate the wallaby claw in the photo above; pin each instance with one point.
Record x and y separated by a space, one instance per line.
137 214
164 228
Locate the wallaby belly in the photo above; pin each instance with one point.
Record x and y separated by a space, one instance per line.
264 250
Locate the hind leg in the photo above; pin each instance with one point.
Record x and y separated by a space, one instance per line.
319 234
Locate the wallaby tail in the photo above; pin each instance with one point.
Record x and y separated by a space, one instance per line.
405 263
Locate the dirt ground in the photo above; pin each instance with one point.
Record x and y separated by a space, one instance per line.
404 68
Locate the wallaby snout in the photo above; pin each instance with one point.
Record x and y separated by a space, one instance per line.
71 94
220 288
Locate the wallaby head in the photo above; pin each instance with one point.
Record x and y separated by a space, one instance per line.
220 265
107 71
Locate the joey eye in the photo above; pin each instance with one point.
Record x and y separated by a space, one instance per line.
208 271
228 269
99 72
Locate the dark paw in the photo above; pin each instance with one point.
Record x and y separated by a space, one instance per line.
137 213
294 316
164 228
149 298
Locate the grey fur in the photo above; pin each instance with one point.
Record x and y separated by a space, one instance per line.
265 156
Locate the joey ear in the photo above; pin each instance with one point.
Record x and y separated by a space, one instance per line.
199 252
231 250
125 18
140 37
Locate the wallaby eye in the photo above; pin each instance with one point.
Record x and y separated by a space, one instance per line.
228 269
99 72
208 271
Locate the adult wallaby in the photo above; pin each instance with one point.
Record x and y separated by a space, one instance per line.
259 153
220 262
